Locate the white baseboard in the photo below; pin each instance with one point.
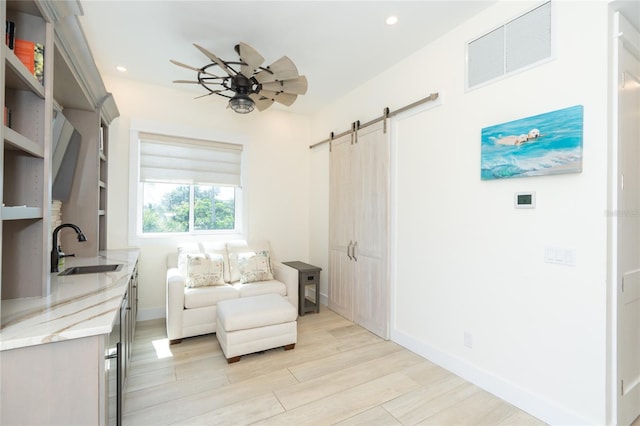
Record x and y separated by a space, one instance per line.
537 406
324 299
150 314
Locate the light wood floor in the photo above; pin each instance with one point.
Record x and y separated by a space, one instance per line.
338 373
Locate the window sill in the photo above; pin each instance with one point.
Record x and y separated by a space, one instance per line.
174 239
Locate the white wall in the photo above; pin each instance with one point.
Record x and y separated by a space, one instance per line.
466 261
276 180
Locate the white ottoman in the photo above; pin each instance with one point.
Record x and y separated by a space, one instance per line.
253 324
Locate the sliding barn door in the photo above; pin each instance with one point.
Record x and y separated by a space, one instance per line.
359 228
341 219
371 180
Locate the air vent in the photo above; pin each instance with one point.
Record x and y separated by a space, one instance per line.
518 44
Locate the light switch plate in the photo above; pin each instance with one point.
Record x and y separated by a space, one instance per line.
560 256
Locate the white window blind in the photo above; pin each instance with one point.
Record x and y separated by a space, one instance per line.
172 159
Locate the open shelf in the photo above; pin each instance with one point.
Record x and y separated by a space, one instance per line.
15 141
21 213
18 77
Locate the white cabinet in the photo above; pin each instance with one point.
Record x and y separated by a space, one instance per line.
359 228
60 383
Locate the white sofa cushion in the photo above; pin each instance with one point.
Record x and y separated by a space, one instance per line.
183 250
261 287
208 296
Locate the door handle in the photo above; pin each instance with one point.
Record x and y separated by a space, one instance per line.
353 251
349 250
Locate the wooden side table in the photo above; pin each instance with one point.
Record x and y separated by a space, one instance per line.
308 287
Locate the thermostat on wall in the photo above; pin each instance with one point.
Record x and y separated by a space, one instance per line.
525 200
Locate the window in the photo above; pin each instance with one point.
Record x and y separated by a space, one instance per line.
520 43
168 207
187 186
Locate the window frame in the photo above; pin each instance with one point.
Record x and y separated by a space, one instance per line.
135 235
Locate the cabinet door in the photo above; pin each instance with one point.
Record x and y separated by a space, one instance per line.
371 213
58 383
341 237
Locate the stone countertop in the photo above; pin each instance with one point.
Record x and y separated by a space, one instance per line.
78 306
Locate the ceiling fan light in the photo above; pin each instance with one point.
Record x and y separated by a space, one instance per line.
242 104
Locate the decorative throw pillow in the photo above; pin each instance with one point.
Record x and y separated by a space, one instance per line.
218 248
204 269
254 266
242 246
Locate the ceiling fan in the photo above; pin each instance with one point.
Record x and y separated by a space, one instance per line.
246 82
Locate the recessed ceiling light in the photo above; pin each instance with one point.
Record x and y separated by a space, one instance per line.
121 68
392 20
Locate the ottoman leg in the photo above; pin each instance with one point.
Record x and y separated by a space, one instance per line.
233 359
289 347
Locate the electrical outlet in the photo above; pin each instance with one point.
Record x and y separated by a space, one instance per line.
468 340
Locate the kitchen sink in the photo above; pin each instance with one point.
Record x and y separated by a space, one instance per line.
91 269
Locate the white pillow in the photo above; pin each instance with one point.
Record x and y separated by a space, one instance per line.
234 248
220 249
254 266
204 269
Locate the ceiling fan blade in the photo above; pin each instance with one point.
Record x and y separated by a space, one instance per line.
215 59
283 98
262 103
189 67
282 69
215 92
186 81
249 56
180 64
296 86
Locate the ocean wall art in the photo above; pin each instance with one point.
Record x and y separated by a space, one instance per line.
545 144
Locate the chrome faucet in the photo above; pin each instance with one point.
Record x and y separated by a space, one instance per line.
55 252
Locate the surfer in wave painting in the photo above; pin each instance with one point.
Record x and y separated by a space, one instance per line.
518 140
